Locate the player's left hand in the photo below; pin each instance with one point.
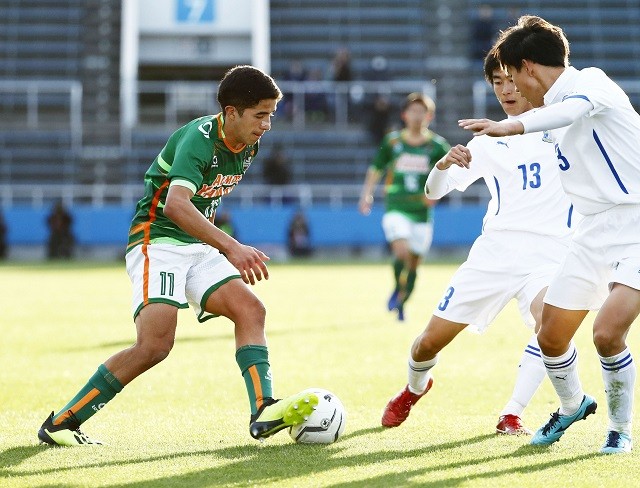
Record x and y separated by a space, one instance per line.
481 127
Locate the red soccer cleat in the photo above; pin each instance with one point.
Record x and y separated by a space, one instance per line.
398 408
511 425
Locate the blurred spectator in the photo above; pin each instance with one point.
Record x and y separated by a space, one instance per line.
378 70
483 32
298 236
295 73
378 120
3 237
513 14
340 69
315 102
61 241
224 223
277 167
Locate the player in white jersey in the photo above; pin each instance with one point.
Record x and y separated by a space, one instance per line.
526 232
597 150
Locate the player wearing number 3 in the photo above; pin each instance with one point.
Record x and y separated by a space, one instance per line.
177 256
526 232
596 132
406 157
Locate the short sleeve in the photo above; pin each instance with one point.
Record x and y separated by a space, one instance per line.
192 157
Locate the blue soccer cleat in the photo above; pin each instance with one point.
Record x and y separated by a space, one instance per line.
558 424
392 304
617 442
400 313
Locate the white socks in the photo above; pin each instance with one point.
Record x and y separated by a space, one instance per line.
419 374
563 373
531 373
619 375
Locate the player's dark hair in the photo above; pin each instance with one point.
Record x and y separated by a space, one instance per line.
245 87
491 63
417 97
534 39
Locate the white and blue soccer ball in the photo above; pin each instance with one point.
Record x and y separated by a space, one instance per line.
327 422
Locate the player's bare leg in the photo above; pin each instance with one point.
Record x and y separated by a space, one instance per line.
156 326
424 355
236 301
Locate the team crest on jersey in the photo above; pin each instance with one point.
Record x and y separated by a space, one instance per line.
248 157
546 137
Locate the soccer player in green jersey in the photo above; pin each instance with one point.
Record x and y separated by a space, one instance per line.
406 156
177 256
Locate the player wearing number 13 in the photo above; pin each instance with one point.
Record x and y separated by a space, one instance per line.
596 132
177 256
526 232
406 157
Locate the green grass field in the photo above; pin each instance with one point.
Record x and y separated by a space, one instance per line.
185 423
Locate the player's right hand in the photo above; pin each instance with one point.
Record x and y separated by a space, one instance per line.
364 205
458 155
249 261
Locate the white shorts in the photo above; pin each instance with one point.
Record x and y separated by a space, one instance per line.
419 235
177 275
501 265
605 250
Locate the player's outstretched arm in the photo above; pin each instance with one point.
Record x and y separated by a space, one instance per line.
248 260
366 195
481 127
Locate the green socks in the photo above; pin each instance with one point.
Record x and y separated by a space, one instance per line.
411 283
398 266
100 389
253 361
405 279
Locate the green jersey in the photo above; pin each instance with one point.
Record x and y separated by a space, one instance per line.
198 157
407 168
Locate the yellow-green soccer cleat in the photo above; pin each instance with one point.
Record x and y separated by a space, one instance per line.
275 415
68 433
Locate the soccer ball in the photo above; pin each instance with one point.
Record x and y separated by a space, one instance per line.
325 424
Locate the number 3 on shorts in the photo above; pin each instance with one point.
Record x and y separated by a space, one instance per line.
447 296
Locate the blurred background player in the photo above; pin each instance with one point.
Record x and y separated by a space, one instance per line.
406 157
526 233
596 132
177 256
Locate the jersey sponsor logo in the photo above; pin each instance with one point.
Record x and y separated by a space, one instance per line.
412 163
222 185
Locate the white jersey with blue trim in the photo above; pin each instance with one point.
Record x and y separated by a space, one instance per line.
522 175
598 153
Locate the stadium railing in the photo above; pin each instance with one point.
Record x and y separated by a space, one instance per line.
245 195
25 100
